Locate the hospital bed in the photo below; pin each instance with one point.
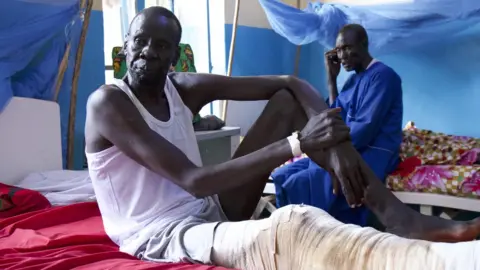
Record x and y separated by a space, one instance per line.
426 201
60 237
450 177
446 186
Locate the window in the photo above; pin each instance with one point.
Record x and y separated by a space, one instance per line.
112 34
217 44
194 19
159 3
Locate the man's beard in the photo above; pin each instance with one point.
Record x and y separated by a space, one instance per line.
148 79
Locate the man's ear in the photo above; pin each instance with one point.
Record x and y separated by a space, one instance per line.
177 56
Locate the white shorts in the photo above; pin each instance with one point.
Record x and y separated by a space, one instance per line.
186 240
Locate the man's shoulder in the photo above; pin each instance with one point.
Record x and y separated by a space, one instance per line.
189 79
183 77
189 84
184 81
384 71
106 94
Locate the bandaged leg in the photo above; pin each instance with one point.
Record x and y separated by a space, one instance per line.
304 237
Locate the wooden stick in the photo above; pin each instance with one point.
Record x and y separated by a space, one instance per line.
298 53
232 53
87 6
297 61
61 73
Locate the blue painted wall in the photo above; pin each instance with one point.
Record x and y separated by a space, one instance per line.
441 86
259 51
441 82
312 67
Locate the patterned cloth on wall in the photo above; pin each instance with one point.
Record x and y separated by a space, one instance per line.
185 63
119 63
434 162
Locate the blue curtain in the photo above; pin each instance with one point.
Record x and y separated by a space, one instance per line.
390 27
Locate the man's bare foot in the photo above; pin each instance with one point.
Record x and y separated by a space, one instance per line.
437 229
401 220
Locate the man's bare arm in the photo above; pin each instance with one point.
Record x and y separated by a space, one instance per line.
198 90
118 121
332 90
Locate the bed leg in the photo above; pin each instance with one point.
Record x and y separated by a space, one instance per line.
445 216
264 203
426 210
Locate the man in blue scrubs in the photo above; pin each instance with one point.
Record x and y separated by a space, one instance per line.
371 105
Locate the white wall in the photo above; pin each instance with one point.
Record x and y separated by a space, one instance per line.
251 13
97 5
217 36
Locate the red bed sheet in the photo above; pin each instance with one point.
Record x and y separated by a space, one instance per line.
67 237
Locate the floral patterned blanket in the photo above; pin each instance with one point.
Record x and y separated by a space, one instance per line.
437 163
434 162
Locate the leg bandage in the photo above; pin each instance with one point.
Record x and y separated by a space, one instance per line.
307 238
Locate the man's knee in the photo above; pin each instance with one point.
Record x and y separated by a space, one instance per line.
297 216
283 97
284 103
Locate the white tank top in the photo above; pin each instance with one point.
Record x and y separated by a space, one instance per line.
135 202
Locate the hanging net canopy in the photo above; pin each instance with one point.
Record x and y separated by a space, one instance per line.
33 38
39 41
391 27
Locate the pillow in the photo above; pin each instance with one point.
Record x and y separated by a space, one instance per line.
15 201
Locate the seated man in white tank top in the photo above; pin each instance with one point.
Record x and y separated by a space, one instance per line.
158 202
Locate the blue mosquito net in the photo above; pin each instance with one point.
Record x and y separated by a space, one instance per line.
391 27
33 38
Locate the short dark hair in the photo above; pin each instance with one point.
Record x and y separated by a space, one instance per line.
359 31
161 11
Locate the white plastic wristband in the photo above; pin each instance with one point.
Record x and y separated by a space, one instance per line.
295 144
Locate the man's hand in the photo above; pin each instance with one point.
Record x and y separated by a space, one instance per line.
342 161
323 131
332 63
325 140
